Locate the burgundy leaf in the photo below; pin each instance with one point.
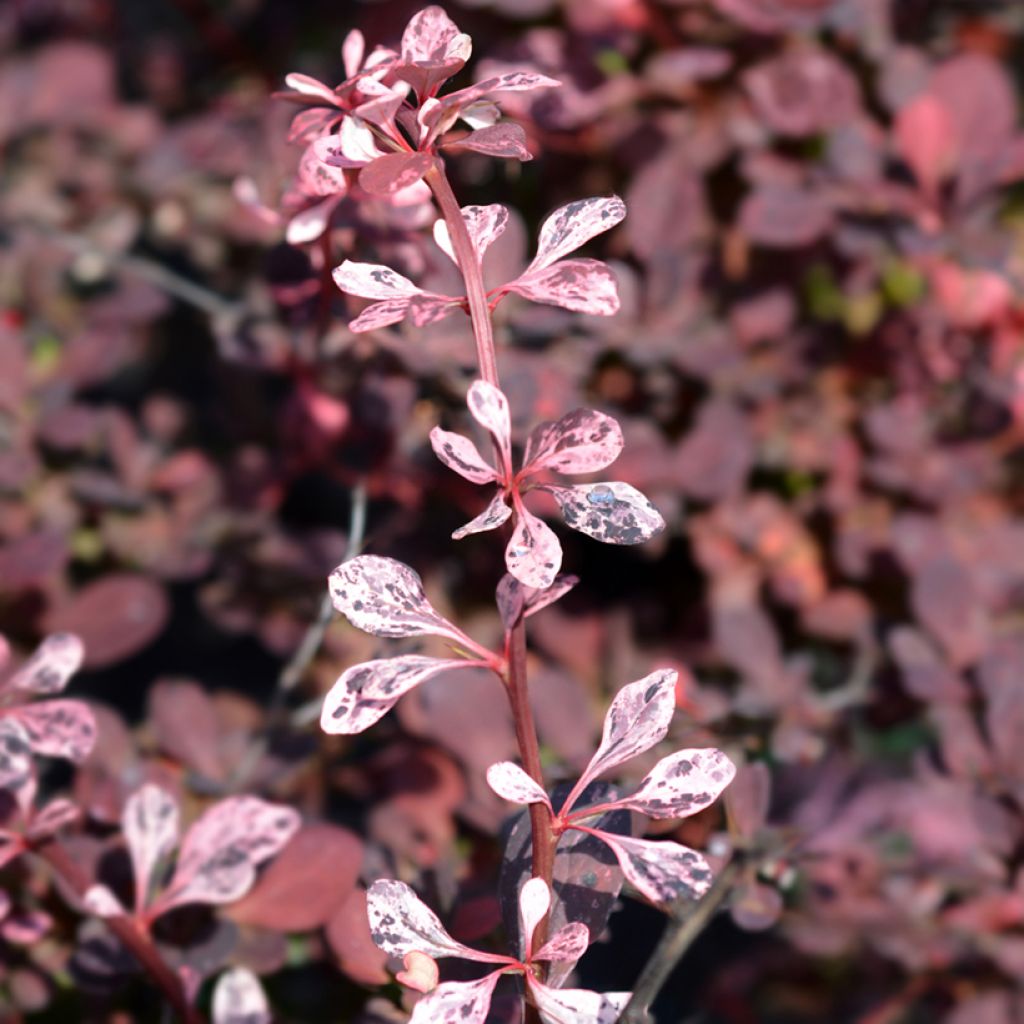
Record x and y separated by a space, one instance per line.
348 933
582 441
238 999
614 512
496 513
533 554
185 723
56 659
574 224
150 824
503 140
391 173
682 784
58 728
458 453
925 137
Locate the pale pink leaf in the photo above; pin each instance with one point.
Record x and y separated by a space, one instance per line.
309 224
16 773
576 1005
238 998
534 903
380 314
432 36
580 285
661 871
99 900
485 225
613 512
511 783
496 513
572 225
26 928
150 824
566 945
373 281
384 597
681 784
457 1002
638 718
311 87
400 923
582 441
420 972
458 453
366 692
58 728
221 851
515 599
926 139
353 49
353 146
489 407
502 140
54 662
393 172
533 554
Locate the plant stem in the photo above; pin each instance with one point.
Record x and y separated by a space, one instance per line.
679 934
137 942
469 263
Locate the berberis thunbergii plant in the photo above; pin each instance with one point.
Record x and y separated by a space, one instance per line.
387 125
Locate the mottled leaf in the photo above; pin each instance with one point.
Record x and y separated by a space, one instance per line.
568 944
502 140
485 225
238 999
379 315
515 599
533 554
458 453
490 409
457 1002
432 36
580 285
50 667
582 441
511 783
16 773
682 784
391 173
354 146
574 224
613 512
373 281
150 824
58 728
577 1005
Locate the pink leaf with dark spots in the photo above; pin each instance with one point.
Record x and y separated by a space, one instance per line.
16 774
432 36
682 784
314 177
567 945
54 662
926 139
485 225
490 409
582 441
373 281
515 599
365 693
503 140
496 513
150 824
613 512
379 315
661 871
427 309
58 728
576 1005
238 998
574 224
511 783
384 597
580 285
458 453
638 717
457 1002
391 173
533 554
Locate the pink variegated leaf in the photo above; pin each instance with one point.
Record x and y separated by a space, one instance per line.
99 900
513 81
221 851
457 1002
511 783
238 998
515 599
54 662
309 224
400 923
533 554
310 124
580 285
384 597
16 774
576 1005
314 177
373 281
427 308
366 692
381 109
613 512
391 173
682 784
534 903
496 513
485 225
458 453
53 817
638 717
150 824
489 408
380 314
310 87
661 871
567 945
354 146
572 225
58 728
502 140
432 36
26 928
582 441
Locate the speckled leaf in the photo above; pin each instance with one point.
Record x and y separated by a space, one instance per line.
238 998
515 599
221 851
511 783
682 784
55 660
391 173
16 774
485 225
533 554
373 281
150 824
58 728
384 597
512 81
661 871
400 923
503 140
457 1002
490 409
458 453
496 513
366 692
582 441
577 1005
581 285
638 717
534 903
567 945
574 224
426 308
432 36
613 512
380 314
